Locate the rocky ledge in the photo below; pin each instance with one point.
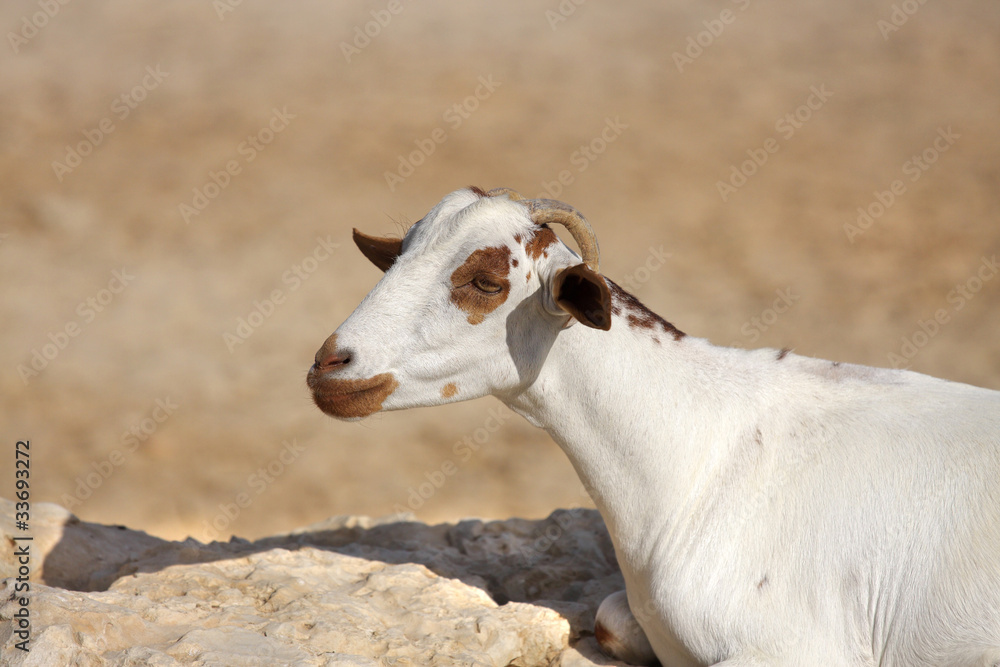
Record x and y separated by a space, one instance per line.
347 591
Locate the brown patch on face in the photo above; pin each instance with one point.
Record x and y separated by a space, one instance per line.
449 390
480 285
638 315
539 243
328 351
350 399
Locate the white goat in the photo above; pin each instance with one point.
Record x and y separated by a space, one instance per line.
766 508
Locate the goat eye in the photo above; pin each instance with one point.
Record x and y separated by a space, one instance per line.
484 284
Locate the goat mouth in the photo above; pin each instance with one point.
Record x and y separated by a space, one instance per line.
350 399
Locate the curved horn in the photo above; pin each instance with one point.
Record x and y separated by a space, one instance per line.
550 210
514 195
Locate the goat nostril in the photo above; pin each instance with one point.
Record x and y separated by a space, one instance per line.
332 361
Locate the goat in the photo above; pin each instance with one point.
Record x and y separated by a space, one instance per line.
766 508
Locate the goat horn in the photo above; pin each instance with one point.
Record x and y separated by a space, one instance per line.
514 195
549 210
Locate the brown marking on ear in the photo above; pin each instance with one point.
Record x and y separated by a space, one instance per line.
584 294
381 251
783 352
346 399
478 190
638 315
449 390
489 267
539 243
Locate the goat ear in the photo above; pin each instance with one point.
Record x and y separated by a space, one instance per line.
584 294
381 251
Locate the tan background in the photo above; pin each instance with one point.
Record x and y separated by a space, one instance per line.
653 186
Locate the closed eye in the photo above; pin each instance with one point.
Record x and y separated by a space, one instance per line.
484 284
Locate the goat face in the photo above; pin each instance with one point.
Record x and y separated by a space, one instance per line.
472 298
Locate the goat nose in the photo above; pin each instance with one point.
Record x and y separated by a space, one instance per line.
329 357
329 360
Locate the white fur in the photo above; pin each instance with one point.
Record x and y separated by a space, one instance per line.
764 511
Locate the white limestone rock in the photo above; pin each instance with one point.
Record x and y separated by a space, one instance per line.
348 591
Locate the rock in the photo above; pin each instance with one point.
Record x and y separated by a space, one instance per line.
347 591
67 543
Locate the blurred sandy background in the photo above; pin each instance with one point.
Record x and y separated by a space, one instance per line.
211 75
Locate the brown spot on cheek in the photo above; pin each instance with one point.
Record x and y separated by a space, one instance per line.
543 238
489 263
449 390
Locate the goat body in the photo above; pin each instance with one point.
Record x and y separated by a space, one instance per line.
766 508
